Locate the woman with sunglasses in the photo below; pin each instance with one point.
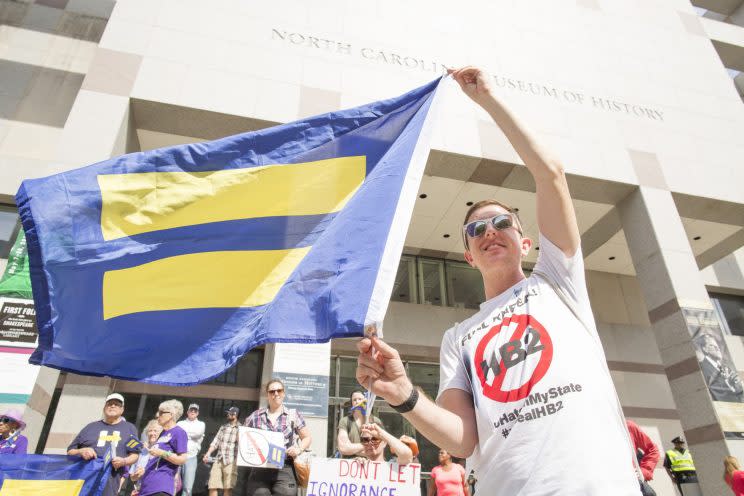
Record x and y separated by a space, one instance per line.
168 454
278 418
12 442
375 439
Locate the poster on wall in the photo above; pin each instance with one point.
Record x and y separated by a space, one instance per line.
713 356
18 323
305 381
18 339
720 373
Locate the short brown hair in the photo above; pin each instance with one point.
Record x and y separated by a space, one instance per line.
274 380
485 203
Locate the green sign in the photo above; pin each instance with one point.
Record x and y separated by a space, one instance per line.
16 280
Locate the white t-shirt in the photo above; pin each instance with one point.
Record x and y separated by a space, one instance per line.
195 430
548 419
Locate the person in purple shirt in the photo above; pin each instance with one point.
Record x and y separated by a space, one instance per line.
167 455
12 442
112 432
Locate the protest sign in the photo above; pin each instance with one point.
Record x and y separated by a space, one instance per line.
360 477
259 448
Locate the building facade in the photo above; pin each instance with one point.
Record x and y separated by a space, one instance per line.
641 101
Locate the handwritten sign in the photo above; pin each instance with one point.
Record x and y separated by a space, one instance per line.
359 477
259 448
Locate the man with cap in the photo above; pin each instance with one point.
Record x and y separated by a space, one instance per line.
224 473
110 433
678 464
12 442
195 430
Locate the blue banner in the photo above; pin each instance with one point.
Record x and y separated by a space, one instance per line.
167 266
51 475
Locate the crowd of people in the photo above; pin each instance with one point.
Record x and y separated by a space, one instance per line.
164 461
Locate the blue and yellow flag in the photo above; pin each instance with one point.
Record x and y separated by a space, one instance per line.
134 445
167 266
51 475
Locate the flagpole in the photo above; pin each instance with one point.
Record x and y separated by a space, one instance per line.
370 331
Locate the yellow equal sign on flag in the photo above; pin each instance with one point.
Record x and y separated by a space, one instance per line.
218 279
146 202
275 454
17 487
152 201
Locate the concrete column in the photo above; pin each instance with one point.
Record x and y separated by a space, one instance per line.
678 305
37 407
81 402
304 370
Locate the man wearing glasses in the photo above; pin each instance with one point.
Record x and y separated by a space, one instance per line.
112 432
525 393
224 473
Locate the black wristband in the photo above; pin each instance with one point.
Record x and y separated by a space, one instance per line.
409 404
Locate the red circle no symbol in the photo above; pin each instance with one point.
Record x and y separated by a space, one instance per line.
538 341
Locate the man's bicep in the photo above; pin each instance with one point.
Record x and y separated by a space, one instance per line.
460 402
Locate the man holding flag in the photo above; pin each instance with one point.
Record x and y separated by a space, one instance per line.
109 438
525 392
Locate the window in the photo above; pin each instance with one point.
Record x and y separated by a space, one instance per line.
246 373
10 225
431 281
730 309
404 287
464 285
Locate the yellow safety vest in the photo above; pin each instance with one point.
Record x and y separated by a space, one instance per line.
681 462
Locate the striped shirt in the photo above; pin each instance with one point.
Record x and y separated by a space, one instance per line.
226 442
288 423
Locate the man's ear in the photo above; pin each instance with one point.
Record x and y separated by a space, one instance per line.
469 259
526 246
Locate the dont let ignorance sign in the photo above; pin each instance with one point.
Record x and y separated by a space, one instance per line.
359 477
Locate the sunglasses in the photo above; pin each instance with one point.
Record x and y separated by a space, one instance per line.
275 391
6 420
368 440
162 412
500 222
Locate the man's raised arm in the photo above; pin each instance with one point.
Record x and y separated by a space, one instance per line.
556 218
